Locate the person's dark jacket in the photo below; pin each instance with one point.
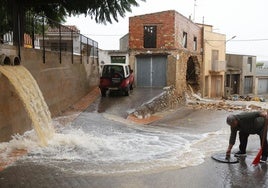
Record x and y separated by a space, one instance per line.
248 122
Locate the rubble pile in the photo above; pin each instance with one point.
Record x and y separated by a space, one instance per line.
228 105
236 97
217 106
169 99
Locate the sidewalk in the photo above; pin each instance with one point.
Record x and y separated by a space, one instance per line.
74 111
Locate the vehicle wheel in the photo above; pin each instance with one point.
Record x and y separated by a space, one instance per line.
103 92
127 91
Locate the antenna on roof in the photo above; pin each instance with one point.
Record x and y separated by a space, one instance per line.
194 10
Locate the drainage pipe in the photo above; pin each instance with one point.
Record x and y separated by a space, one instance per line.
5 60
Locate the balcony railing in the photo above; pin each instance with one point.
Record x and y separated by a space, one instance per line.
218 66
45 34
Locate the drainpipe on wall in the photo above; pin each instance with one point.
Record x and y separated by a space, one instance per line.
202 54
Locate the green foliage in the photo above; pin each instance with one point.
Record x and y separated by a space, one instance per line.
57 10
259 64
5 23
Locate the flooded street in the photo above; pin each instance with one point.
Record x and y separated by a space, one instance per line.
105 144
104 149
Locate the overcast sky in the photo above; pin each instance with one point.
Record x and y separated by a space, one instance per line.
245 19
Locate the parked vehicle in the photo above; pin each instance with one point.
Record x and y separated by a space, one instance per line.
116 77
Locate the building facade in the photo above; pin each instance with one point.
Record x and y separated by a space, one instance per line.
214 64
165 49
112 56
261 81
240 75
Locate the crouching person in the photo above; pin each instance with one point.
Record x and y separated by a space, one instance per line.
247 123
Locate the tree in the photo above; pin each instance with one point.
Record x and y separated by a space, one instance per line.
6 20
259 64
103 10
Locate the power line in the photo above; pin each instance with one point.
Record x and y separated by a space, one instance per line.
241 40
245 40
105 35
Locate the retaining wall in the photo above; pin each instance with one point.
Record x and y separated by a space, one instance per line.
62 84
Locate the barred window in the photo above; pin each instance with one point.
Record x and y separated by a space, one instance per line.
150 36
184 39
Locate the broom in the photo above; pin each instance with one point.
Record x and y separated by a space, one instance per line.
258 156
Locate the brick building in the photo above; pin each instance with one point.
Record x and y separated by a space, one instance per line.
165 49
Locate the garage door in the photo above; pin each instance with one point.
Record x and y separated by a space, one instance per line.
151 71
262 86
216 85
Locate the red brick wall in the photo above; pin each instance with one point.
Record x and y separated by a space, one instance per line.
182 24
165 29
170 28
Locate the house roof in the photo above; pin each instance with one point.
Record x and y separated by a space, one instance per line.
65 28
241 55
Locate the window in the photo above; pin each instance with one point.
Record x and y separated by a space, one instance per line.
118 59
215 60
127 70
227 84
195 43
249 65
55 46
111 69
149 37
184 39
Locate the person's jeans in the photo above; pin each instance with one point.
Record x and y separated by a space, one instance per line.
243 138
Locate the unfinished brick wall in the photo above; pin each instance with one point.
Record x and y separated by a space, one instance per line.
165 29
170 28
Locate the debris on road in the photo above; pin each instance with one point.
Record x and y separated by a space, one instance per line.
169 99
221 104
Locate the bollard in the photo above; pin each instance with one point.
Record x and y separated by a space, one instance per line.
4 60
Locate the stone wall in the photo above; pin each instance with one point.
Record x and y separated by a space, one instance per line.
62 84
169 99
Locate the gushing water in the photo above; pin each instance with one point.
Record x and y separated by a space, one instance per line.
32 99
100 144
97 144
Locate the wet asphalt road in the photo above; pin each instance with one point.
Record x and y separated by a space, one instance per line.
119 105
209 174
